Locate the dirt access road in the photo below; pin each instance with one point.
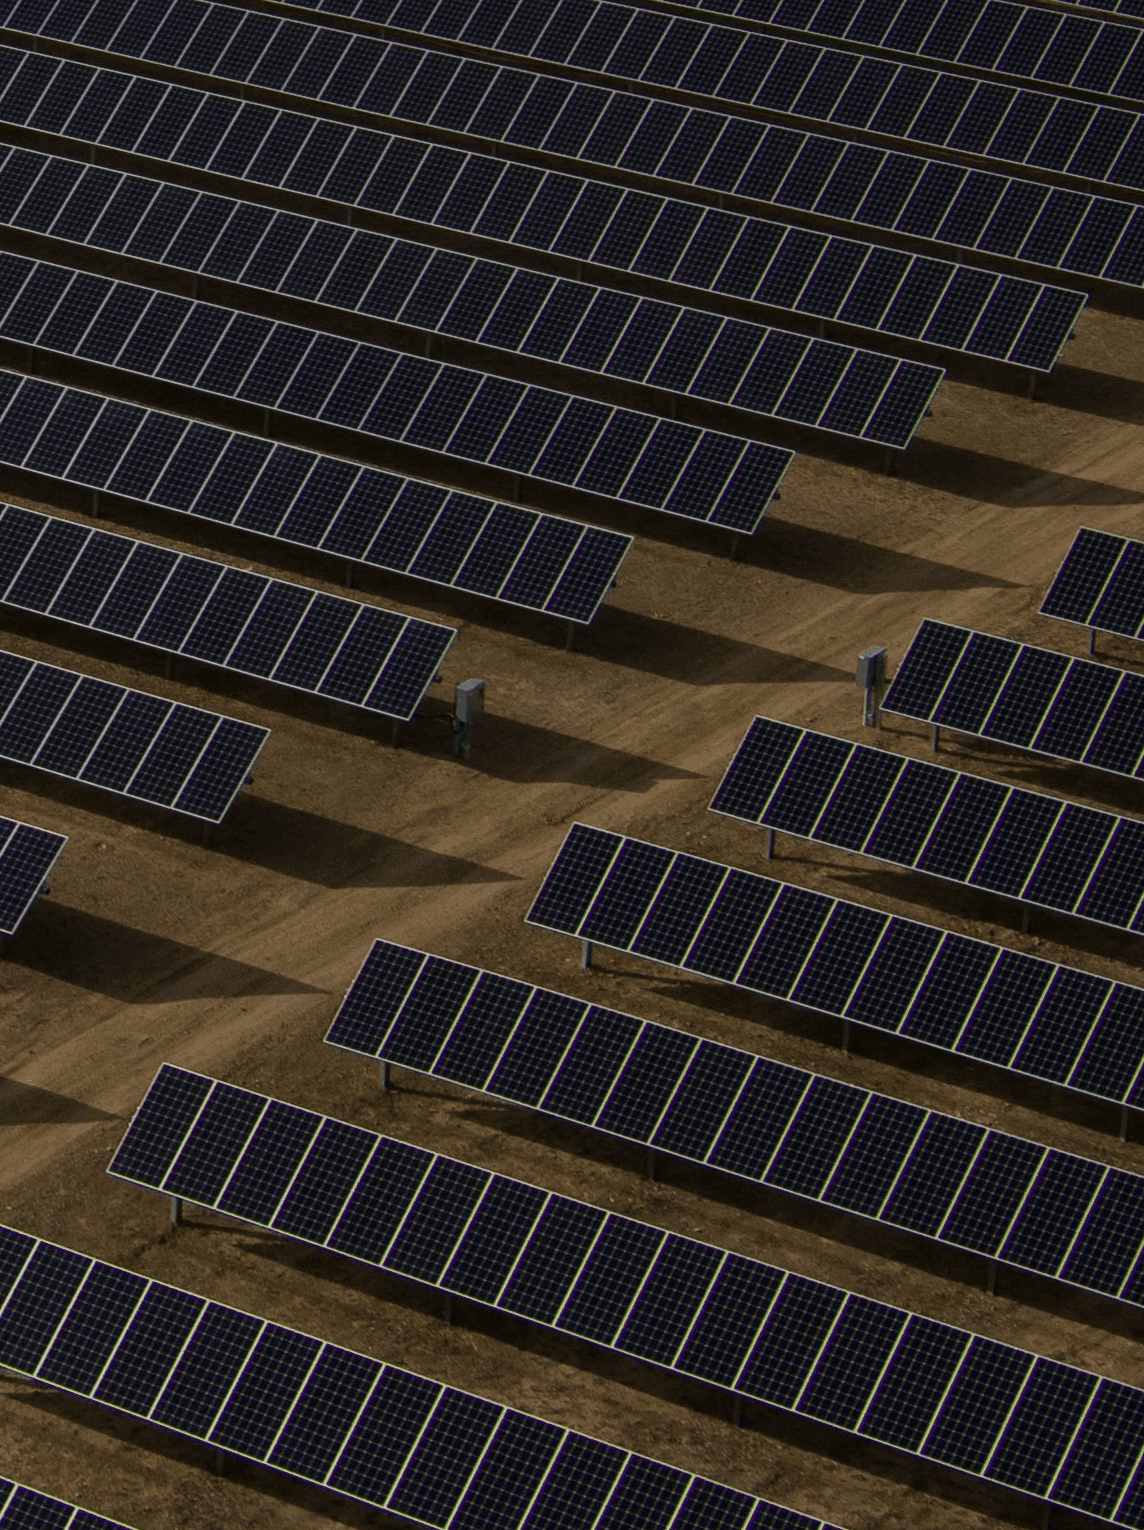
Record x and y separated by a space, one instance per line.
232 959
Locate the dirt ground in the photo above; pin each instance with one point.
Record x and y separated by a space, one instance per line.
232 958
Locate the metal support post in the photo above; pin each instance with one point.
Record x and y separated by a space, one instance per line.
395 739
935 741
349 576
846 1037
384 1078
176 1210
1124 1123
449 1310
991 1279
737 1413
220 1463
95 503
570 640
585 953
1032 385
1092 640
769 844
734 546
1025 913
652 1165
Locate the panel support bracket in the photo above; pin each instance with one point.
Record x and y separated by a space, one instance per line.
935 740
652 1165
585 953
570 639
1026 915
384 1078
991 1279
1092 640
176 1209
449 1310
1124 1123
737 1412
769 845
846 1037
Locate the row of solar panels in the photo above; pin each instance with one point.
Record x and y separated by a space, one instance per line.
868 968
964 308
856 183
964 828
580 326
633 457
1074 709
995 35
22 1508
808 1135
126 741
372 1432
182 604
304 499
27 855
593 122
759 1331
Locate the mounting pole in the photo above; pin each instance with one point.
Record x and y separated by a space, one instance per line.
95 510
1124 1123
220 1463
652 1165
1032 385
176 1210
570 640
385 1078
872 678
1092 640
734 546
586 953
1025 914
769 844
846 1037
991 1279
935 741
449 1310
349 575
737 1413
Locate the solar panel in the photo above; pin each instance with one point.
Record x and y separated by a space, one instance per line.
1072 709
894 1163
22 1508
365 1430
362 655
963 828
637 458
1005 123
756 1330
27 855
1025 41
497 199
125 741
305 499
1100 585
825 277
1121 7
964 996
676 350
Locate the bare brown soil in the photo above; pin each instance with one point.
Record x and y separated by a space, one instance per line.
232 959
